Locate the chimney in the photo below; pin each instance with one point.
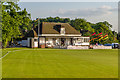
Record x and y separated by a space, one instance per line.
62 30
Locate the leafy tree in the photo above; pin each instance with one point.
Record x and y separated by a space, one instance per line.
105 28
83 26
67 20
53 19
118 37
26 22
13 20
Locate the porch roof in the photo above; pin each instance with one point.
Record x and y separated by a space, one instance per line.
65 37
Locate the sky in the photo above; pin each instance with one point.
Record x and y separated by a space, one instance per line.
69 0
91 11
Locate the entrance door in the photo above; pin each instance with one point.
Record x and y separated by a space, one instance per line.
71 40
63 41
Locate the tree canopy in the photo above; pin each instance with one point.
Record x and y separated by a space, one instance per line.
14 21
86 28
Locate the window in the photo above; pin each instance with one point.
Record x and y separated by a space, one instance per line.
86 39
79 39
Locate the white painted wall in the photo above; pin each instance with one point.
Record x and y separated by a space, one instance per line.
77 47
84 43
41 40
35 44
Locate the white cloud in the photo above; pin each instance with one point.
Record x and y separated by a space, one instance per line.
103 10
106 7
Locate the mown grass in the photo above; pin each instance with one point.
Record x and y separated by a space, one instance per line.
59 63
6 50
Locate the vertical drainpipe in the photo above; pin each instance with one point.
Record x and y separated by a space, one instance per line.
38 32
45 42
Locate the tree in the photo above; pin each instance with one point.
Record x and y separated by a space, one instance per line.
83 26
67 20
13 20
26 22
105 28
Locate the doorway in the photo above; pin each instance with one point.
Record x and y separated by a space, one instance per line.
63 41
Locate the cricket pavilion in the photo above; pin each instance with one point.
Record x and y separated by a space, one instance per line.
55 35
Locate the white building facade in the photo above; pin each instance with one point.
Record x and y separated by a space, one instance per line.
56 35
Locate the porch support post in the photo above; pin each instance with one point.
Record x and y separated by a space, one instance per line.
71 40
38 42
60 41
45 42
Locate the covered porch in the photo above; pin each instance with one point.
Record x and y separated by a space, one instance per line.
62 42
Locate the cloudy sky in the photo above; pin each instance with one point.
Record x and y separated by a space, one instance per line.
91 11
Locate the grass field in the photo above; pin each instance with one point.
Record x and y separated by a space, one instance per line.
59 63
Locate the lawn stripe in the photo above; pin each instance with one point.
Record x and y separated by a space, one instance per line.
5 54
46 49
25 49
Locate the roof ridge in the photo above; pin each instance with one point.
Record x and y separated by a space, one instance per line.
54 23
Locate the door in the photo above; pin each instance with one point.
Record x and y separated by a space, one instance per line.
71 40
63 41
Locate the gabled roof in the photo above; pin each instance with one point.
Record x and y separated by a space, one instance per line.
32 33
54 28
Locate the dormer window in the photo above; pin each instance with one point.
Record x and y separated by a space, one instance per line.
62 31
